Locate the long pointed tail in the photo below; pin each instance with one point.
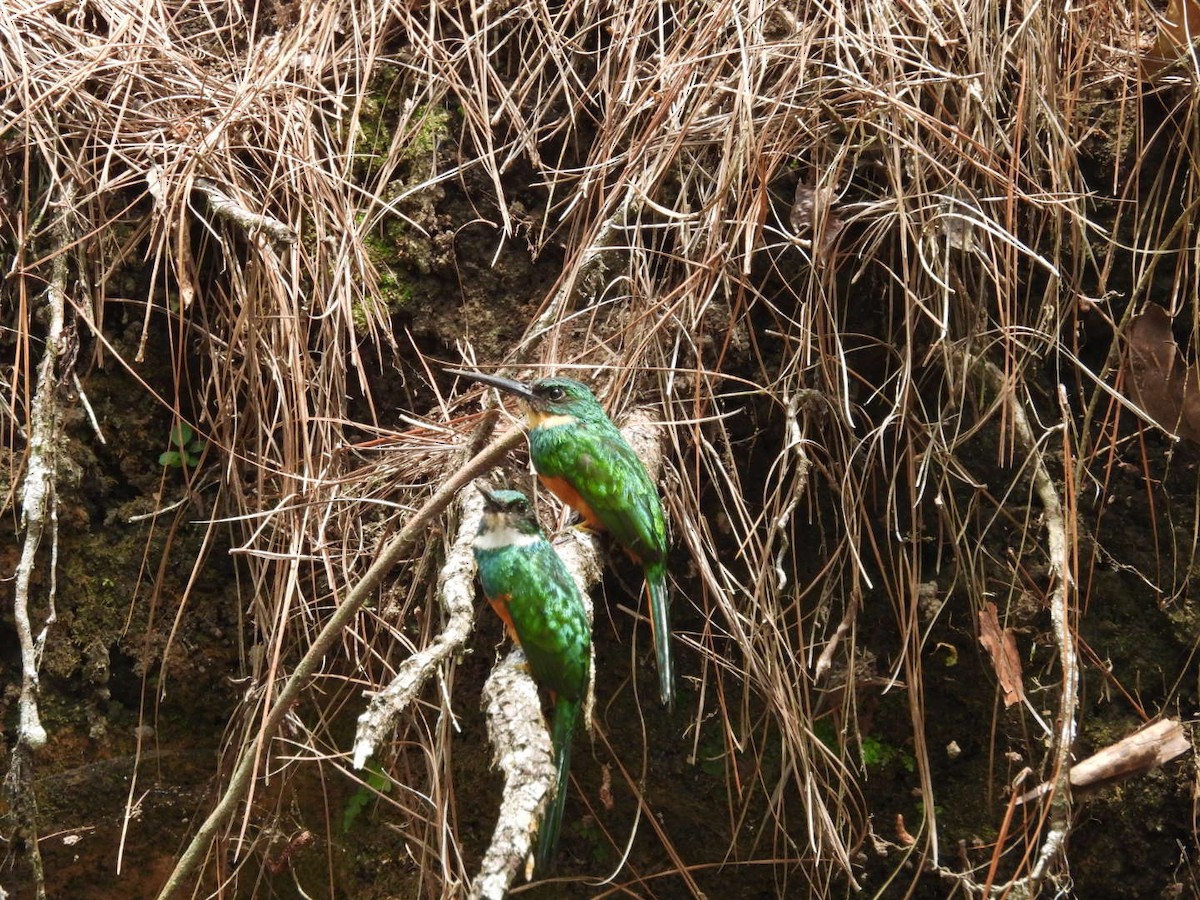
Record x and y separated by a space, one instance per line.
660 622
566 716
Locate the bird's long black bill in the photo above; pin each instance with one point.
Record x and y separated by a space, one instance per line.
505 384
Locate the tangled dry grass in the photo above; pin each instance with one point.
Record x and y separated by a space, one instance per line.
850 251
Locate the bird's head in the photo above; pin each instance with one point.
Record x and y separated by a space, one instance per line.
507 513
548 401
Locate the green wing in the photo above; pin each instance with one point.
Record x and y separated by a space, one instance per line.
602 467
547 612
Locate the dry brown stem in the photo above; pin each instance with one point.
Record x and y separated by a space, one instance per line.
239 781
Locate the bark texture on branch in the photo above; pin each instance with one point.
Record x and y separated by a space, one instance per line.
456 590
39 514
523 752
514 708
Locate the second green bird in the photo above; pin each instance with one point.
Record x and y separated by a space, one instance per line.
533 593
581 456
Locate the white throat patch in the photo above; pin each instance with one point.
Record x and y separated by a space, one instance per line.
504 536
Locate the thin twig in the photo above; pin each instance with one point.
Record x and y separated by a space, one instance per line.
87 408
825 660
227 208
584 277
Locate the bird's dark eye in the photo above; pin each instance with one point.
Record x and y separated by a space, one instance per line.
555 393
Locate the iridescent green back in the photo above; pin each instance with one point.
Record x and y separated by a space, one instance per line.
547 612
601 466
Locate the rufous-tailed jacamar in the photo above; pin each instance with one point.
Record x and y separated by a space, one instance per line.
580 456
529 587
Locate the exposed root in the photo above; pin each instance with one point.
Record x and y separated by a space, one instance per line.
1059 592
39 512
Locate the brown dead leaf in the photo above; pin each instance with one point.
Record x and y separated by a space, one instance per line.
1001 646
606 796
1158 379
814 207
1177 28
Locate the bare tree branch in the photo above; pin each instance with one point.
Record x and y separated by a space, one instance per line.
456 590
239 781
523 752
227 208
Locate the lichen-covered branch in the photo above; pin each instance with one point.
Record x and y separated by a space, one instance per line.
1059 593
38 498
227 208
239 781
525 755
456 590
514 712
38 513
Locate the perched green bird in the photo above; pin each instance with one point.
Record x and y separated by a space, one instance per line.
580 456
529 587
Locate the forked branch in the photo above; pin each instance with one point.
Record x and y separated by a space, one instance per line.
239 781
456 591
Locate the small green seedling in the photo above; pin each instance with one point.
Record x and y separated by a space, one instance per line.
376 783
185 448
598 843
